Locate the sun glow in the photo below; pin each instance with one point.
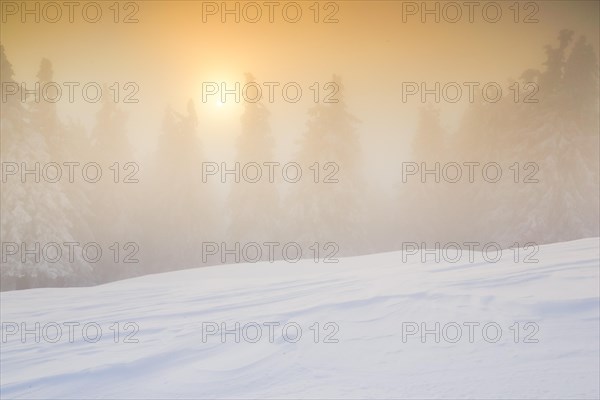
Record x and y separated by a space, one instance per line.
219 96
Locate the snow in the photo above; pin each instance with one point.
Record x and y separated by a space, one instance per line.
369 298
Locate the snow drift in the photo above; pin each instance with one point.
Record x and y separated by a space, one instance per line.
366 327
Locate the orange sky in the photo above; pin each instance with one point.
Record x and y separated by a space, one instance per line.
171 51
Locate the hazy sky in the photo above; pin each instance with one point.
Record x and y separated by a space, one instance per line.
170 52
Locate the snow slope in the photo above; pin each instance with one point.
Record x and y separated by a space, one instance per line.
370 299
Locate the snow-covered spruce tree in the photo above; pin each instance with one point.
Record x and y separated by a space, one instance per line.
67 143
326 204
554 141
182 206
254 206
424 204
582 98
34 212
480 208
113 195
559 134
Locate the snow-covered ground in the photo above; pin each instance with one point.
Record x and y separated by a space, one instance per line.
367 343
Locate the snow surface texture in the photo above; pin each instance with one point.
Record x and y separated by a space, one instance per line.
369 298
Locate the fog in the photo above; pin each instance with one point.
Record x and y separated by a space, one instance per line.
360 70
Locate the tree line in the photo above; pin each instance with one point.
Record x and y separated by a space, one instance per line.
549 192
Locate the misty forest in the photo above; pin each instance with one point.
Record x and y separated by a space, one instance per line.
161 211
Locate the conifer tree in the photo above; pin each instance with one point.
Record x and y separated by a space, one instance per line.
327 205
255 212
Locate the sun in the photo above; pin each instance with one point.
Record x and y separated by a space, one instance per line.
216 104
